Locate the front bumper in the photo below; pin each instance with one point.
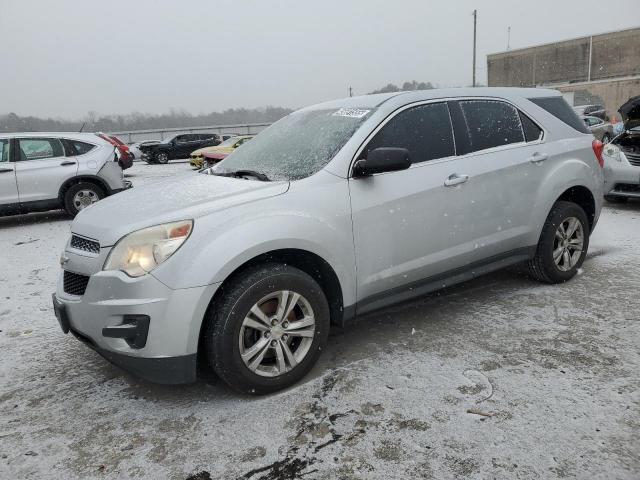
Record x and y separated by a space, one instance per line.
196 162
139 323
167 371
621 179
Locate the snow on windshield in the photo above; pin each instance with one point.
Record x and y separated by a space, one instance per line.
297 146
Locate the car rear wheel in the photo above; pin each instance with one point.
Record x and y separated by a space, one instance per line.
267 329
162 157
80 196
563 244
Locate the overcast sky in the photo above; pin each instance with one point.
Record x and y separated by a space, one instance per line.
64 58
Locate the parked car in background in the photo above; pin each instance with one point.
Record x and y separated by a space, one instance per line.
592 110
125 158
335 210
212 155
178 146
47 171
134 148
602 130
622 157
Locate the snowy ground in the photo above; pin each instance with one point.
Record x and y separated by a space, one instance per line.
501 378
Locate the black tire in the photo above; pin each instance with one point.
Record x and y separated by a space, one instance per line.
224 324
543 267
69 203
161 157
615 199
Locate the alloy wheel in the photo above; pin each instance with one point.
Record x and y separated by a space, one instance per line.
277 333
568 244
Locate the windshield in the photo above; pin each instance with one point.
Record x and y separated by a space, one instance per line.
297 146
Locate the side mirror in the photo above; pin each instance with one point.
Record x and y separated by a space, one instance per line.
383 159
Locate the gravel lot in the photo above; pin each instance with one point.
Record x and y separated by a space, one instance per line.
500 377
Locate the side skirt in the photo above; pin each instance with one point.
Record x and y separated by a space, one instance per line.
28 207
436 282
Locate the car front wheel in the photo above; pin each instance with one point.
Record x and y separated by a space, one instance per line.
267 328
563 244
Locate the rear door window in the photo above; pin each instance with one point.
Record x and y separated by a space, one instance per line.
491 123
424 130
40 148
559 108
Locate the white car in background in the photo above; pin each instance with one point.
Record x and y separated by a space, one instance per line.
47 171
134 148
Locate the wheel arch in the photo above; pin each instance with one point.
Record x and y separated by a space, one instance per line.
582 196
83 178
311 263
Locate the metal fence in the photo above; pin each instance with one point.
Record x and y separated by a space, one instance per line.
162 133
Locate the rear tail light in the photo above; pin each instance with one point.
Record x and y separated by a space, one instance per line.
598 147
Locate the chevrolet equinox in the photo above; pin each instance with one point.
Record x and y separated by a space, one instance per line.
336 210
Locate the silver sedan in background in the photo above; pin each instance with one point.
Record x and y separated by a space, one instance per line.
602 130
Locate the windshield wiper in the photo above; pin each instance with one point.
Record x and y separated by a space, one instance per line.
241 173
251 173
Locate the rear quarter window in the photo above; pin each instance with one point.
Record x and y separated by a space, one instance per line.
81 147
532 131
559 108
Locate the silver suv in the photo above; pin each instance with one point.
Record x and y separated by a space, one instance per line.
336 210
47 171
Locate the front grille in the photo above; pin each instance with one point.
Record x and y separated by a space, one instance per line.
632 156
84 244
74 283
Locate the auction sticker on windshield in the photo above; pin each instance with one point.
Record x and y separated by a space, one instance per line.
351 112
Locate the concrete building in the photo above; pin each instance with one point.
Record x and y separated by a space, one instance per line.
601 69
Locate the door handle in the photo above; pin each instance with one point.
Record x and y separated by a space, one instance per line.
538 157
64 164
455 179
6 170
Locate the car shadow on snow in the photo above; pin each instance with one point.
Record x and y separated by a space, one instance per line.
34 218
631 205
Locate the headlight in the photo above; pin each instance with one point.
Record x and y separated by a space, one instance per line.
612 152
140 252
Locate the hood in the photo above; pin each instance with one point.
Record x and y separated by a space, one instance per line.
216 149
630 113
186 197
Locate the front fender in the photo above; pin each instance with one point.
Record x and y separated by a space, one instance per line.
224 242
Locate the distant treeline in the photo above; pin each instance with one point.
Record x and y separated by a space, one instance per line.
94 122
406 86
